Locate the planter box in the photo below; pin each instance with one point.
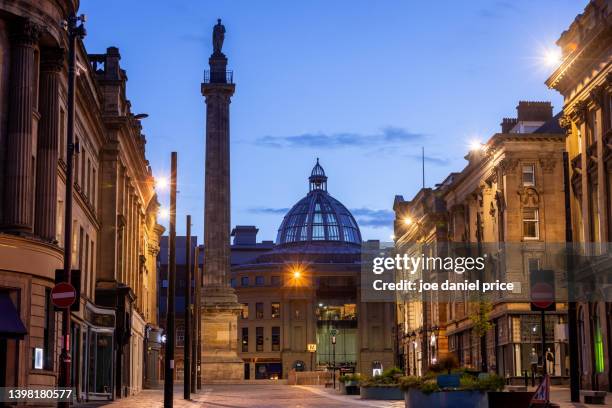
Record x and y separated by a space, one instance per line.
350 387
446 399
382 393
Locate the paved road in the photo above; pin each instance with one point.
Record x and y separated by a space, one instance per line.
282 396
248 395
278 396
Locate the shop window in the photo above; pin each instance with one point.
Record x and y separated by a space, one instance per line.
259 338
275 310
529 175
531 223
275 338
245 339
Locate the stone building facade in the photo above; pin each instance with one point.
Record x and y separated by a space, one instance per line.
507 202
584 78
306 290
111 246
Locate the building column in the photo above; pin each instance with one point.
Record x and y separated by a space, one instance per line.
18 198
45 216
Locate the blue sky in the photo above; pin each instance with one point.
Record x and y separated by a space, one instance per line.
360 84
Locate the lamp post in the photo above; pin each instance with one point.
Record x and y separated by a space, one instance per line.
171 335
198 315
187 341
196 323
333 340
75 31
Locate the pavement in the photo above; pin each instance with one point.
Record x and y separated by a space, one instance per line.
282 396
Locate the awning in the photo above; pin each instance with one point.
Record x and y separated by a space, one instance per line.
11 325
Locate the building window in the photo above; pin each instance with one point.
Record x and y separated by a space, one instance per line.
245 339
259 338
275 280
275 309
180 336
259 313
531 223
275 338
49 332
529 175
259 280
244 313
233 282
244 281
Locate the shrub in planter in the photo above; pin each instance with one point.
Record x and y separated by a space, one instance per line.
350 384
385 386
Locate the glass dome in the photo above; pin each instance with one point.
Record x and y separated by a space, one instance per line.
318 217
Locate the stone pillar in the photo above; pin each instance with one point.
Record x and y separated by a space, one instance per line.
45 216
18 197
220 310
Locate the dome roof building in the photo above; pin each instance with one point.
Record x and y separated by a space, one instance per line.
318 217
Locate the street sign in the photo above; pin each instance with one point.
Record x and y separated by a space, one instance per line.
542 290
63 295
542 295
312 347
75 280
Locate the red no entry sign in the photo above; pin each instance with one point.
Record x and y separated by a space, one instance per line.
63 294
542 295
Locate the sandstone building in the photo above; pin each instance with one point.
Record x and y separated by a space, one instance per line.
584 78
507 202
115 233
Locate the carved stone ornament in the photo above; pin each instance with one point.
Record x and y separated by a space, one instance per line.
529 197
509 165
566 123
580 111
25 33
548 165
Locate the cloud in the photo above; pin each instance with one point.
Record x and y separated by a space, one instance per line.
268 210
388 136
367 217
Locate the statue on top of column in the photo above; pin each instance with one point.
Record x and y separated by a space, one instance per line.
218 36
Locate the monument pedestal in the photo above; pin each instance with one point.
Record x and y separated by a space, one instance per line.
220 312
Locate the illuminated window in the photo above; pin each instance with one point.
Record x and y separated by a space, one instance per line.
275 310
244 313
245 339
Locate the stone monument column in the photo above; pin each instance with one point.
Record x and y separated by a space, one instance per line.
220 308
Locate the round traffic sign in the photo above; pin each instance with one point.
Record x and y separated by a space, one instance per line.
63 295
542 295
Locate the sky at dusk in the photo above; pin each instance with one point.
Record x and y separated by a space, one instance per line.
360 84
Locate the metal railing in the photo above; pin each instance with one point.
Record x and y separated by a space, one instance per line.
218 77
